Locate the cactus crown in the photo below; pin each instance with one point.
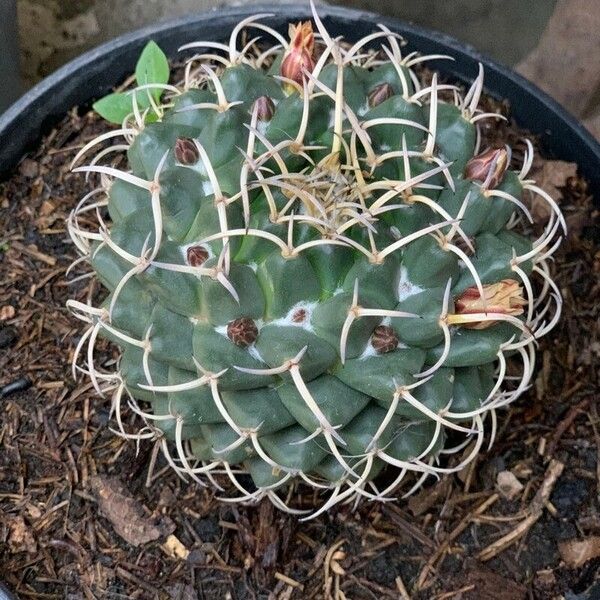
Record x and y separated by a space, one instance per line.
312 270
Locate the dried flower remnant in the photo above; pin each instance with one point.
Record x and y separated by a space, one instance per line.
242 332
384 339
502 298
186 151
196 256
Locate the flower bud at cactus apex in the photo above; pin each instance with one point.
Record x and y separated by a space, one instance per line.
298 58
312 272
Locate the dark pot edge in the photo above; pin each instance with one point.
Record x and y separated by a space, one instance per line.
561 133
5 593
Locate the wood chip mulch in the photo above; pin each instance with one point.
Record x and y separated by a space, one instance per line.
78 520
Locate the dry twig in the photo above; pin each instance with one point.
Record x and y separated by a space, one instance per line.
535 510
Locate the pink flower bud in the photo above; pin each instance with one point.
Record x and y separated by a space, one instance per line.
380 93
488 167
264 108
299 56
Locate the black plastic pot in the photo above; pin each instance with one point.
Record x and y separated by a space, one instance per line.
93 74
5 593
9 51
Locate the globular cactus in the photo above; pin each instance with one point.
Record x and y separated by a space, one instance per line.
313 271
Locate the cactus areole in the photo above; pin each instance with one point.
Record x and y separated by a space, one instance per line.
313 270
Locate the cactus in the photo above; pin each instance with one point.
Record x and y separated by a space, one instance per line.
313 271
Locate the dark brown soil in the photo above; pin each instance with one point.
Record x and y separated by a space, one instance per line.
71 492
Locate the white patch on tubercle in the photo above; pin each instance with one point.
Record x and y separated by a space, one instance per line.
199 167
363 110
207 188
254 353
385 147
222 330
287 321
405 287
368 352
253 266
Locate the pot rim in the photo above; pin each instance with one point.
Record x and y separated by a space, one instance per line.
561 134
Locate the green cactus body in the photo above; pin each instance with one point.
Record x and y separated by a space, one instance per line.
285 267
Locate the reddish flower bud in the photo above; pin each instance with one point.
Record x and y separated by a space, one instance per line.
380 93
488 167
299 56
242 332
265 108
186 151
502 298
384 339
196 256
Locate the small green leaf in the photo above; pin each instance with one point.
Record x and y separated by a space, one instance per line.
152 67
151 117
114 107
